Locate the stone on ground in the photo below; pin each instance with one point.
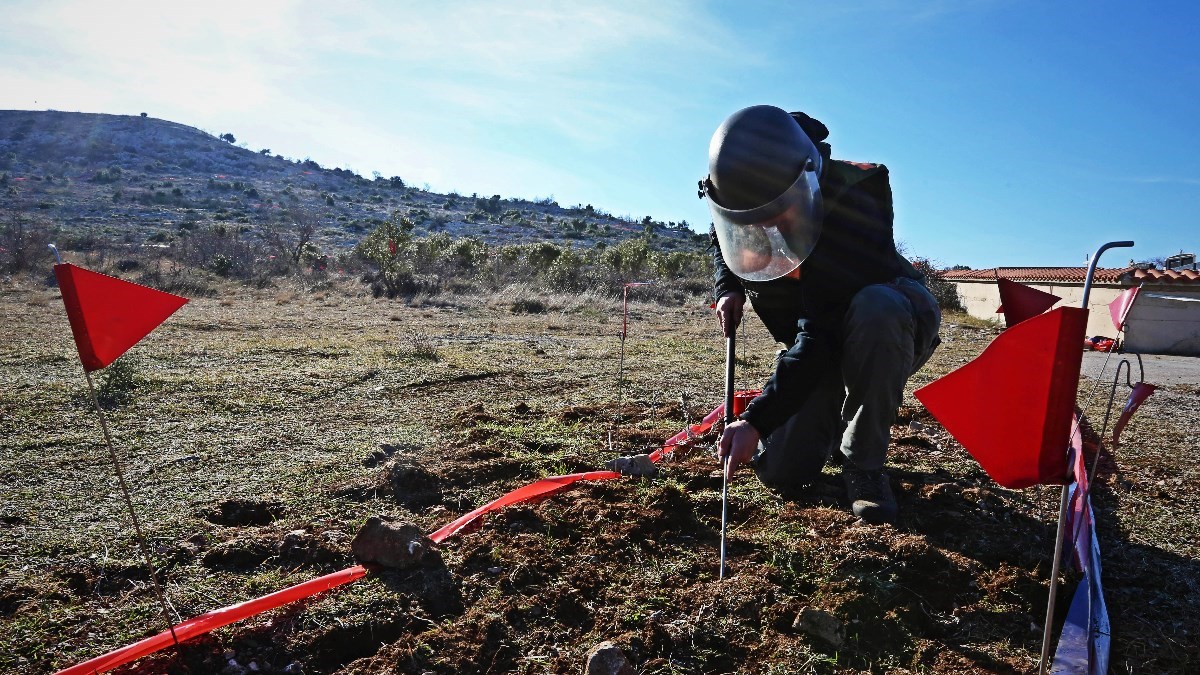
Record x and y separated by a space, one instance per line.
822 625
385 541
637 465
607 659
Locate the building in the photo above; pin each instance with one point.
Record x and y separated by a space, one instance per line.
1165 319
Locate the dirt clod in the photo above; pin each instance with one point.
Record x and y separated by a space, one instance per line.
241 512
822 625
637 465
384 541
414 486
241 553
607 659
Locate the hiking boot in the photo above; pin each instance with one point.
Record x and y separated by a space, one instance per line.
870 495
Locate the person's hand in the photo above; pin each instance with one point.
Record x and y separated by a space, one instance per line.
739 442
729 312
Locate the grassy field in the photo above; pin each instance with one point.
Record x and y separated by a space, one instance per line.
262 428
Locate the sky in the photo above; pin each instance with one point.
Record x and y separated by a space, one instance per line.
1017 132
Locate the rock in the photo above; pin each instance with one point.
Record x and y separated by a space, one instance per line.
637 465
384 541
295 544
822 625
916 426
607 659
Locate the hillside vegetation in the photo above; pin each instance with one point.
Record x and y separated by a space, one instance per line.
136 192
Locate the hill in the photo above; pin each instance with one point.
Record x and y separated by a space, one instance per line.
146 180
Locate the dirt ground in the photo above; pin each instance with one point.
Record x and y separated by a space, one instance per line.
263 427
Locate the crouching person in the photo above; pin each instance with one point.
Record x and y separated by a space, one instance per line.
808 240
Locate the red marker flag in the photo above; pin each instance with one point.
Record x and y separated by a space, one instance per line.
1012 406
1118 309
108 315
1019 302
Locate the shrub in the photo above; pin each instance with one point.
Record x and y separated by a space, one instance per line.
945 292
528 306
118 382
24 242
109 175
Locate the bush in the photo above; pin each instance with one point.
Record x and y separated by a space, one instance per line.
118 382
24 242
528 306
945 292
389 249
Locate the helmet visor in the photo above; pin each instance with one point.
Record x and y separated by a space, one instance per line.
769 241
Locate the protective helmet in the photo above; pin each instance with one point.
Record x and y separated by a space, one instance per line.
763 191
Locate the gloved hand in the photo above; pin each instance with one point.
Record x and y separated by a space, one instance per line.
738 442
729 312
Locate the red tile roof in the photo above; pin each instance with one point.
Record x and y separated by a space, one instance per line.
1131 276
1167 276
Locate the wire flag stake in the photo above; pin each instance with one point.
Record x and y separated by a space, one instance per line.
614 431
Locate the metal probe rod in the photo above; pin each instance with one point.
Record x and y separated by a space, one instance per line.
730 344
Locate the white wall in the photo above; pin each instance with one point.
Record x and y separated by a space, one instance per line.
1164 320
981 298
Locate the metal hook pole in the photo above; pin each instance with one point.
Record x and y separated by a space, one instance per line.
1047 629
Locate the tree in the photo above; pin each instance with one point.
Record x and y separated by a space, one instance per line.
228 137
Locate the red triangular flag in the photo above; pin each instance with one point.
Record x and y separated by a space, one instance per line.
1020 302
1141 392
1011 407
108 315
1118 309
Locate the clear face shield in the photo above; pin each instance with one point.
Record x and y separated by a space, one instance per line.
769 241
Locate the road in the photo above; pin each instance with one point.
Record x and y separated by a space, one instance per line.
1160 370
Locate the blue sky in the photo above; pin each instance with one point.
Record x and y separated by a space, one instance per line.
1017 132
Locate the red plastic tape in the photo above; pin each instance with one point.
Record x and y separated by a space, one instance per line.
538 490
215 619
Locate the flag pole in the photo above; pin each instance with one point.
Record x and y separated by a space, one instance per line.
90 313
137 526
1048 627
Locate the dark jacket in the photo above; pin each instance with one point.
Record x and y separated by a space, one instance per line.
856 249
